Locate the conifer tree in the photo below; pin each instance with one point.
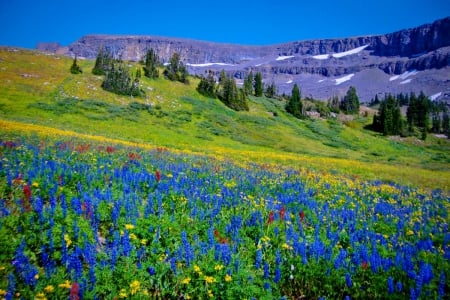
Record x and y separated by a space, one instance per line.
151 64
248 84
350 102
207 86
103 62
271 90
294 105
259 86
176 70
230 95
75 68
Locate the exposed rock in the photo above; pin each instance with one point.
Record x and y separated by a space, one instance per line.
425 49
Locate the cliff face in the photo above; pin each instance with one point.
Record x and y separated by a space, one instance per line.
315 65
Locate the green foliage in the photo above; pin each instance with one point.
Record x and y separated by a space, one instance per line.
176 70
295 105
333 104
350 102
151 64
271 90
389 120
248 84
75 68
259 86
230 95
119 81
103 62
207 86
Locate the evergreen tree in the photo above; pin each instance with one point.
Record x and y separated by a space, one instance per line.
176 70
151 64
333 104
119 81
75 68
103 62
248 84
418 113
259 86
294 105
230 95
350 102
389 120
207 86
271 90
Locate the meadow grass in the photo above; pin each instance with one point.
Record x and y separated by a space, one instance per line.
39 89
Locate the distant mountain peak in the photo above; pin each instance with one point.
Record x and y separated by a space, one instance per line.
322 68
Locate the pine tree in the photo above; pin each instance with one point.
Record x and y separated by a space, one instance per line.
248 84
75 68
271 90
119 81
176 70
151 64
350 102
333 104
103 62
230 95
259 86
207 86
294 105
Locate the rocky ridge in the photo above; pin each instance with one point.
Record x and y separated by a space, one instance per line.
416 59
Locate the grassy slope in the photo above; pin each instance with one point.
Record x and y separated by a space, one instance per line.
37 88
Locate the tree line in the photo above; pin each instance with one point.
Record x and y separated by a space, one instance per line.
422 116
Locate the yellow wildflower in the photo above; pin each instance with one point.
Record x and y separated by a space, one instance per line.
210 294
209 279
218 267
2 292
133 236
286 246
66 284
49 289
129 226
186 280
196 268
68 240
228 278
410 232
135 286
123 294
144 242
35 184
41 296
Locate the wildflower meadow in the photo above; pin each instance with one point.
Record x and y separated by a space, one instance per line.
92 220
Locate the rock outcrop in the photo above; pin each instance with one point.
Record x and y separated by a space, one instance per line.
317 65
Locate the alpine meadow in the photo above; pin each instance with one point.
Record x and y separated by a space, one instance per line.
160 179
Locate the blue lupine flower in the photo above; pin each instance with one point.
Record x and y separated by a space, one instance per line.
391 285
348 280
266 271
258 258
277 277
11 287
151 271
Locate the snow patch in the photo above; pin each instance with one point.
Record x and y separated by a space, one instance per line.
208 64
404 76
321 80
289 81
435 96
344 79
350 52
321 56
406 81
284 57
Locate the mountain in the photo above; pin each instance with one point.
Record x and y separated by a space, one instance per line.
416 59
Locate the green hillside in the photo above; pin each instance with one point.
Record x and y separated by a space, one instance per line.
37 88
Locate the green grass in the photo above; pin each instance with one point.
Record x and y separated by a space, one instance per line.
38 88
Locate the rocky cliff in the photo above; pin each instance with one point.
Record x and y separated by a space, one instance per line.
374 64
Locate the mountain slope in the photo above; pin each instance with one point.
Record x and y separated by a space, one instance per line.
38 88
322 68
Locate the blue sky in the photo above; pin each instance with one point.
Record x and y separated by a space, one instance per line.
25 23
